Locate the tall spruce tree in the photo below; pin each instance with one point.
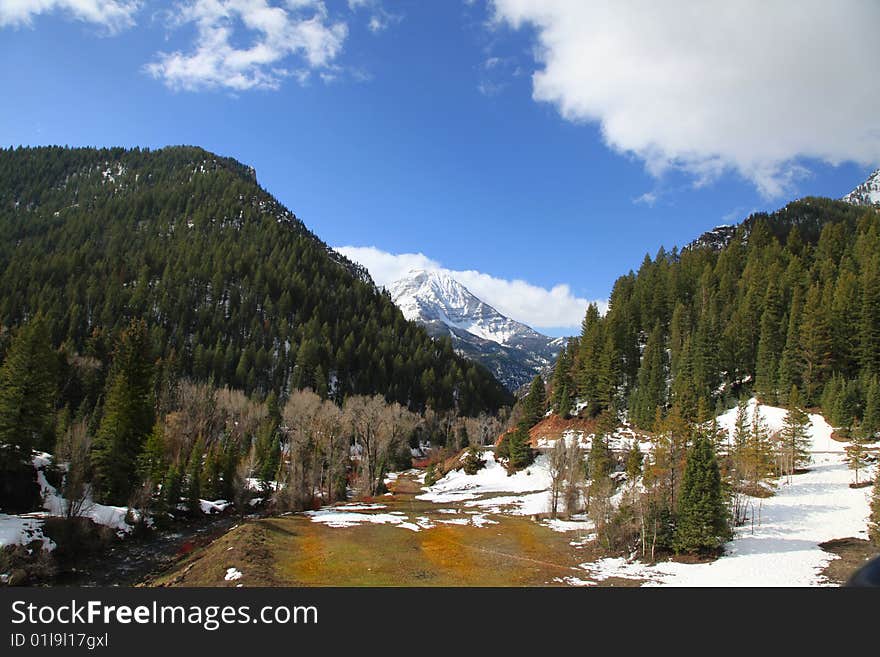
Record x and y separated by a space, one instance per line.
769 346
535 403
590 349
815 344
869 318
194 477
790 363
651 390
128 417
561 378
519 448
564 408
27 393
702 519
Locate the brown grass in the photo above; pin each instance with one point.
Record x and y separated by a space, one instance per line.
245 547
853 553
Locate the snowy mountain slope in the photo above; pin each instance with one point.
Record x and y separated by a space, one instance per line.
868 193
512 351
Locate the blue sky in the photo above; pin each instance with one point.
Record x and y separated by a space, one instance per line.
484 136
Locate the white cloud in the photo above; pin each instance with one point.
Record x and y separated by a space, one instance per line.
300 29
648 198
380 19
531 304
704 87
114 15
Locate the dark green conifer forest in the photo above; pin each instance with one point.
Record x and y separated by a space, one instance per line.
231 285
792 301
169 329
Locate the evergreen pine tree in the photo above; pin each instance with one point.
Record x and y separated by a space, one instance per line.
650 394
606 377
473 461
702 522
766 377
589 350
795 439
535 403
869 319
519 449
27 392
633 462
171 489
815 344
127 420
600 463
152 462
757 457
560 380
871 420
790 363
268 452
464 440
564 408
194 477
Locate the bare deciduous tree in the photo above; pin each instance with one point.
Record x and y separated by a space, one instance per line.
378 430
558 471
574 478
74 449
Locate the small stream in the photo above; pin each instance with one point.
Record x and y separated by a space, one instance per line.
131 561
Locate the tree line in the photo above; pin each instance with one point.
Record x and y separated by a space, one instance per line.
160 444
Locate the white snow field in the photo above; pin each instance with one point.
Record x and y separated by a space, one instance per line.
528 489
783 547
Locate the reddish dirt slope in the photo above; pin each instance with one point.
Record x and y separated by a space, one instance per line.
553 426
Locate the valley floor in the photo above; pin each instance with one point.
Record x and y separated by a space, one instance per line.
399 540
479 531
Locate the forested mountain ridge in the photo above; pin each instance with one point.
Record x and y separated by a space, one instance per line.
233 287
790 299
809 214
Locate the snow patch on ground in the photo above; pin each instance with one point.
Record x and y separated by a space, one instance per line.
232 574
102 514
558 525
574 581
23 529
345 517
820 431
482 489
217 506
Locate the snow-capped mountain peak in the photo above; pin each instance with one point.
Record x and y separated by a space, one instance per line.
433 295
512 350
868 193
